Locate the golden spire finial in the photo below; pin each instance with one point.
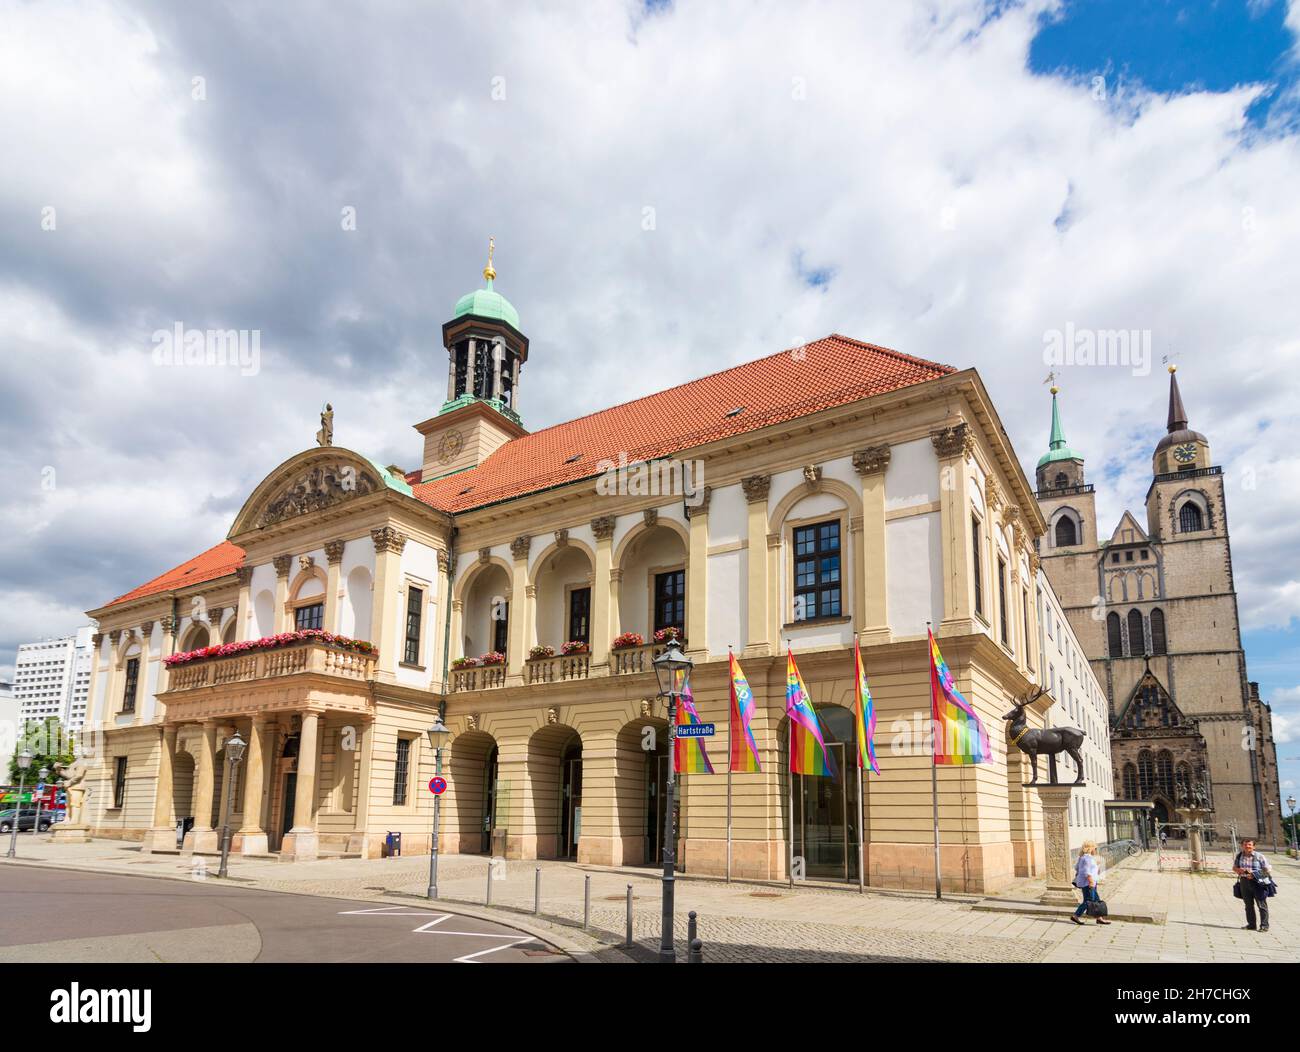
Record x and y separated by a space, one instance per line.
488 272
1173 369
1054 389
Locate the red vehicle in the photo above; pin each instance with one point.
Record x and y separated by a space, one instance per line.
53 799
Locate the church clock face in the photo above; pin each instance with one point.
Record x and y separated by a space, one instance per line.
450 446
1185 454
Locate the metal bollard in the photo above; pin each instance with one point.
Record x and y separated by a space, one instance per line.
586 901
696 954
629 915
487 899
537 891
690 928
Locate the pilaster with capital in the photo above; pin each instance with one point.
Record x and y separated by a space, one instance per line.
871 464
282 564
953 445
697 579
333 583
601 590
384 616
522 616
757 559
244 606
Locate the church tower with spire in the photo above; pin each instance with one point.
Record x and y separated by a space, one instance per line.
485 352
1154 605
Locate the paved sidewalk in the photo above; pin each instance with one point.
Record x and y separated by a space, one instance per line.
766 922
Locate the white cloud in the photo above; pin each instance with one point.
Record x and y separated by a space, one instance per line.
909 150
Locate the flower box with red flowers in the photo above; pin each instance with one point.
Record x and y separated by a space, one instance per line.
628 640
275 642
494 657
574 646
540 653
667 635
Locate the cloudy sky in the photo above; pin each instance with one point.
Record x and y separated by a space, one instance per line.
674 188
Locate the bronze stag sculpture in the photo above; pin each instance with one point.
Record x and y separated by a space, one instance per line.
1050 741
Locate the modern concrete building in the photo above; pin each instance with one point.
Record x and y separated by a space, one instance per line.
52 678
829 493
1154 604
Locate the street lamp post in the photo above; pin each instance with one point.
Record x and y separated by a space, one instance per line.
673 670
1290 802
235 746
44 773
24 762
439 735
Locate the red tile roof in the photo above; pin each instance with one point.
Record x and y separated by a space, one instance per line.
224 558
792 383
829 372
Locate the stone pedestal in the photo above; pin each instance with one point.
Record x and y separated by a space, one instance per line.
70 834
300 846
1194 817
254 843
160 838
1056 836
201 841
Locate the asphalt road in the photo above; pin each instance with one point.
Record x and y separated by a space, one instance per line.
48 914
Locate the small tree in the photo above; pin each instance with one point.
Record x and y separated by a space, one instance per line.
48 743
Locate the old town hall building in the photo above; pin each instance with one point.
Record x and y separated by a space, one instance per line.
1155 606
517 580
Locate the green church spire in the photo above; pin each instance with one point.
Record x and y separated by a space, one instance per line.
1057 447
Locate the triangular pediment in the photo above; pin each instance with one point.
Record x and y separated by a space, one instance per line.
1128 531
1150 707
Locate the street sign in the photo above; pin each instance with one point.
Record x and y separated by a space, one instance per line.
438 785
695 730
40 787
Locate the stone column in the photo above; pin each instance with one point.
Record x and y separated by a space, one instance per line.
361 841
615 602
470 355
498 351
953 445
384 624
252 833
203 837
514 387
697 580
162 837
757 642
334 556
282 564
1055 801
520 610
601 634
873 618
451 373
244 607
301 843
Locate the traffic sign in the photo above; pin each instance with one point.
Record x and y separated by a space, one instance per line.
695 730
438 785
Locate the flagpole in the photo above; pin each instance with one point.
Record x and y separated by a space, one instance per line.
789 777
731 729
862 879
934 770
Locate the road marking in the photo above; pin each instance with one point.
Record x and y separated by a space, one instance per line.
431 928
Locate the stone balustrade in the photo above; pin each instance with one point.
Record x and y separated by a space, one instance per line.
562 667
268 664
631 660
485 677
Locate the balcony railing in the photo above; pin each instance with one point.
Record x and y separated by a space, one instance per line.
630 660
558 669
268 664
483 678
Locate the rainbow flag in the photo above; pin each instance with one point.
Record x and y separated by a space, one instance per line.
808 752
744 750
689 756
864 716
959 736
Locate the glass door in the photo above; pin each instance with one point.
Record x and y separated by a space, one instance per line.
489 800
656 777
827 813
570 805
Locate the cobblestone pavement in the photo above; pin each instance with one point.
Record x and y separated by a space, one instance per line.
771 923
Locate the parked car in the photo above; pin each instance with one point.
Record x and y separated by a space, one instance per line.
26 820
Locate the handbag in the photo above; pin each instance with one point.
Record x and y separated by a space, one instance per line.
1098 908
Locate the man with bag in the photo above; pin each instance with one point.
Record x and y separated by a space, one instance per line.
1254 883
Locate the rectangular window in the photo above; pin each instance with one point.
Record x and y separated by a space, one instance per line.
580 615
132 681
119 781
312 616
670 600
1029 650
817 571
402 772
1002 602
978 566
500 626
414 609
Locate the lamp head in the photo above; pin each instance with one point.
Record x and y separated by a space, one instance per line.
438 734
673 669
235 746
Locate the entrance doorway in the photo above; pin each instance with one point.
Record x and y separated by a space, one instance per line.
489 800
827 812
570 800
656 781
289 798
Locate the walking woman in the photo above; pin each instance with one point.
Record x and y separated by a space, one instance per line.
1085 879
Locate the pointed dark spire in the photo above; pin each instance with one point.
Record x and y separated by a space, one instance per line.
1177 414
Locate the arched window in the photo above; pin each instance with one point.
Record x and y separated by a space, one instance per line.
1130 782
1066 533
1061 480
1158 644
1165 772
1190 518
1137 642
1114 636
195 638
1146 774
